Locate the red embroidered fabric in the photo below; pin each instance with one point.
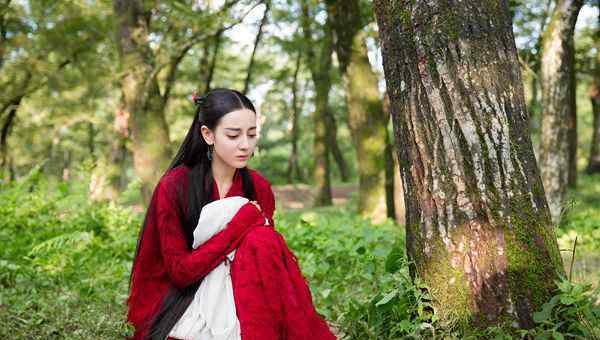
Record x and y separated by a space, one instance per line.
272 297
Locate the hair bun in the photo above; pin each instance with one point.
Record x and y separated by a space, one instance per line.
198 100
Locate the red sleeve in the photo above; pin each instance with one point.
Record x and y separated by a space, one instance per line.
184 266
267 201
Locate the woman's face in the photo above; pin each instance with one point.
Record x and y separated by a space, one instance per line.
234 136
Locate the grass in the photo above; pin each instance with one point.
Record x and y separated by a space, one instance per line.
65 263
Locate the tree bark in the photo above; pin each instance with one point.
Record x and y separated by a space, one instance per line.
263 21
558 141
319 69
141 95
477 222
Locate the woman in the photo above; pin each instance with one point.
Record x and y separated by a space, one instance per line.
271 295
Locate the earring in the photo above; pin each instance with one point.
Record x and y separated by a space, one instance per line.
209 153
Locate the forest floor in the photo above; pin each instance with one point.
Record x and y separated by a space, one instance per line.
300 196
586 266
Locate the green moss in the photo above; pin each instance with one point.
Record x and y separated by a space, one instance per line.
448 286
531 268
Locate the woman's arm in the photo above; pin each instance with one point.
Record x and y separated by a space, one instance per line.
184 266
267 200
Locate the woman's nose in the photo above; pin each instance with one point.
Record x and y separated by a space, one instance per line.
244 144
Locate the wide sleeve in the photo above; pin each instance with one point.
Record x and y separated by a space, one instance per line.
267 200
185 266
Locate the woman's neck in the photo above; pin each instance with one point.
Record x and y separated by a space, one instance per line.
222 173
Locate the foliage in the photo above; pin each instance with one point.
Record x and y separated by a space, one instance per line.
65 264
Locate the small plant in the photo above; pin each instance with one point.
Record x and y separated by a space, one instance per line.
572 313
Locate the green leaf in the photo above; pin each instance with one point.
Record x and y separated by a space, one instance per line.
387 298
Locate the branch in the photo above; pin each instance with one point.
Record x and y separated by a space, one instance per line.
195 39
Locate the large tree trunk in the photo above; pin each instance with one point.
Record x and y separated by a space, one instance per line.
477 222
319 68
558 137
366 117
594 161
141 96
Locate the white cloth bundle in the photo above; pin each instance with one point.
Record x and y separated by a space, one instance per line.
211 315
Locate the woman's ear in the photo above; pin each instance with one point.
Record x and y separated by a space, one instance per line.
207 134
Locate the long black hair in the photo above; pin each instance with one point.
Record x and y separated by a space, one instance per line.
209 109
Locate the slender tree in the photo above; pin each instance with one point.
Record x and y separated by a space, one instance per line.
477 222
259 34
319 62
558 142
293 169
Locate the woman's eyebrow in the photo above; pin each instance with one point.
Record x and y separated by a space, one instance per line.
238 129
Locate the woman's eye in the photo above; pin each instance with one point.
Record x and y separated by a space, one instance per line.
233 137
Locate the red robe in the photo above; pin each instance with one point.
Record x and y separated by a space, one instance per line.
272 297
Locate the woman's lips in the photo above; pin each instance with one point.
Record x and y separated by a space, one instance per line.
242 157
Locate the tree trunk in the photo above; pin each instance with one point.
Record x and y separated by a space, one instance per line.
107 179
558 105
210 69
594 161
366 117
6 158
334 147
293 172
263 21
141 96
319 69
396 207
367 124
477 222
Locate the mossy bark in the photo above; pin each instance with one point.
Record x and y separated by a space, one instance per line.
477 221
141 95
558 140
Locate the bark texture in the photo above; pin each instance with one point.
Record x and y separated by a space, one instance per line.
558 142
477 222
141 95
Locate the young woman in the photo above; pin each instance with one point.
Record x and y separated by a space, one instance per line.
272 298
